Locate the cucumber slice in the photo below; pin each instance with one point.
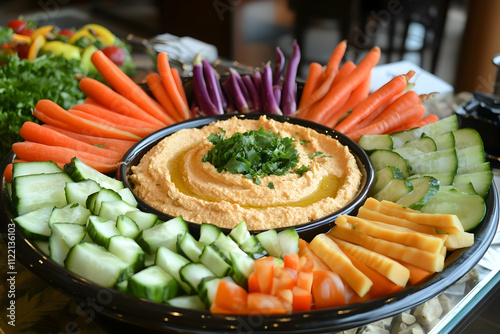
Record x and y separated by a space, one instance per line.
270 242
96 264
43 246
240 233
72 213
189 247
35 224
209 233
193 302
471 156
432 130
31 192
408 152
101 230
128 251
466 188
445 141
384 176
172 263
215 261
444 178
481 181
482 167
127 196
394 190
78 192
243 266
383 158
112 209
424 144
467 137
79 171
153 283
163 234
424 189
194 273
63 237
34 167
375 142
208 288
94 200
252 247
289 241
469 208
226 246
445 161
143 220
127 227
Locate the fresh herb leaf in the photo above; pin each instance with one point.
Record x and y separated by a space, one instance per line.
254 153
318 154
302 170
270 185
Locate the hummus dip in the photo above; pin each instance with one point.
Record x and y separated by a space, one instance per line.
172 178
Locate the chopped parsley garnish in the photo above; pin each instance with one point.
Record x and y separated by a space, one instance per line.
318 154
270 185
254 153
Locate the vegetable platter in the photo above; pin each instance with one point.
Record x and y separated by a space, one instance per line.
86 142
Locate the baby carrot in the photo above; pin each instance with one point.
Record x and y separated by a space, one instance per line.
141 132
117 145
431 118
178 83
373 101
391 122
31 151
359 94
170 85
331 102
402 102
336 57
325 82
112 116
312 82
34 132
60 116
112 100
160 93
124 85
344 71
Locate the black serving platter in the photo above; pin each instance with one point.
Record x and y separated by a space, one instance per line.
306 231
155 317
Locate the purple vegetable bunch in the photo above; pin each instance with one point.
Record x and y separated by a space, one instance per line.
260 92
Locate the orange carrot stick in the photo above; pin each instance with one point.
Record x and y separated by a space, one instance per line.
170 86
7 173
358 95
30 151
373 101
127 87
160 93
312 82
336 57
141 132
34 132
389 123
431 118
178 83
338 92
72 122
112 116
117 145
112 100
402 102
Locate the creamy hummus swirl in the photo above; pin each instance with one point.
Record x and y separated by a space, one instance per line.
172 178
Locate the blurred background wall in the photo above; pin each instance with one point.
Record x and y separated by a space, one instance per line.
454 39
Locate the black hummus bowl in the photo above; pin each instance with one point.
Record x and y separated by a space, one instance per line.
306 231
140 315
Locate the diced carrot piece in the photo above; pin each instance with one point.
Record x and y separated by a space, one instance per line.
291 261
305 280
230 296
264 269
301 300
264 303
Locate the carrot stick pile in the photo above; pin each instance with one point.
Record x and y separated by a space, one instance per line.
110 121
339 97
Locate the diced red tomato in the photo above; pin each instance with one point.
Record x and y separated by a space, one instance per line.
305 280
27 31
301 300
265 303
22 50
328 289
283 280
231 297
17 25
264 268
253 283
67 32
306 264
115 53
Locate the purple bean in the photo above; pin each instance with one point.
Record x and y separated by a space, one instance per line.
201 92
243 88
288 102
278 67
269 103
277 93
212 82
240 101
254 94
